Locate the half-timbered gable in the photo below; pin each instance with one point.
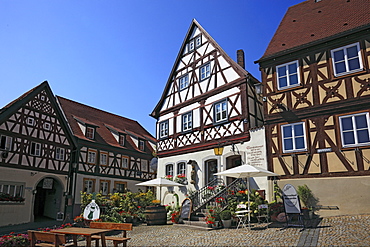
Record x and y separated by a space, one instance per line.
112 150
209 101
315 75
208 97
36 148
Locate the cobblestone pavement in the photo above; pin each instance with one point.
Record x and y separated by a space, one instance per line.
329 231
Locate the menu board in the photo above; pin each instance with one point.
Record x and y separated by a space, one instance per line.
186 209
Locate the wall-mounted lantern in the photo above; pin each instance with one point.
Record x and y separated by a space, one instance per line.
218 150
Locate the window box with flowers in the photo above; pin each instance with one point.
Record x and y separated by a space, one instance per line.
169 177
181 179
9 199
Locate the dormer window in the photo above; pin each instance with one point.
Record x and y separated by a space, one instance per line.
90 133
121 140
141 145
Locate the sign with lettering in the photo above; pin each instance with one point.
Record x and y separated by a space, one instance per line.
291 200
255 155
186 209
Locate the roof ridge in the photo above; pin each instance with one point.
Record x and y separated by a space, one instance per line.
96 109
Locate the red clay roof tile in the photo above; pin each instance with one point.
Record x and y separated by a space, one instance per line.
311 21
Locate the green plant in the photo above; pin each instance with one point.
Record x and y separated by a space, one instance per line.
306 196
225 215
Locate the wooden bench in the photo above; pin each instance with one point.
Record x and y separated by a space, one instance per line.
114 226
48 238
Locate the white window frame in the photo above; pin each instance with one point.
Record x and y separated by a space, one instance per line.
91 157
12 188
59 153
141 145
288 75
47 126
104 187
89 185
181 168
163 129
187 121
354 129
121 139
220 111
294 137
169 170
125 162
90 132
183 82
191 45
35 149
346 59
205 71
30 121
198 41
6 142
103 158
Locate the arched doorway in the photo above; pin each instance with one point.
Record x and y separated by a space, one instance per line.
232 161
48 198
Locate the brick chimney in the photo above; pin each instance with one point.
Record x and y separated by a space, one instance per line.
240 58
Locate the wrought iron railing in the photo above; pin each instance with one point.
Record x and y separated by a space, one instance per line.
216 192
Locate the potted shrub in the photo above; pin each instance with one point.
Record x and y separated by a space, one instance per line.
308 200
226 218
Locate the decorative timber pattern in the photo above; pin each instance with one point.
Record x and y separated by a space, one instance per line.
328 108
38 138
209 88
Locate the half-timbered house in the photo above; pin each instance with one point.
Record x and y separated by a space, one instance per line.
113 152
208 103
36 152
316 80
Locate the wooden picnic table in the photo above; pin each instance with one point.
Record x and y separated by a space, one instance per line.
87 232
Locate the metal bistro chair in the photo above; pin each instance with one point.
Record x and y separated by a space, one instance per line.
242 215
263 213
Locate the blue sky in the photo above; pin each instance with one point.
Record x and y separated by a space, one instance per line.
116 55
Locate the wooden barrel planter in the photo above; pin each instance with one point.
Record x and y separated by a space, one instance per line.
156 215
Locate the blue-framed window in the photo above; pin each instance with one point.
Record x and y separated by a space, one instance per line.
294 137
355 130
288 75
205 71
163 129
220 111
187 121
184 82
347 59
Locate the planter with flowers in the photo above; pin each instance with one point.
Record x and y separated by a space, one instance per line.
7 198
181 179
169 177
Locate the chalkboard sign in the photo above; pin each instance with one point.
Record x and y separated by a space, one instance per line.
186 209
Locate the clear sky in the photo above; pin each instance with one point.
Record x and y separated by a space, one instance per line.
116 55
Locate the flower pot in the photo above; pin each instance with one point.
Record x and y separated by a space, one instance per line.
226 223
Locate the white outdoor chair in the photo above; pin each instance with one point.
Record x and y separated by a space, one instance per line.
242 215
263 213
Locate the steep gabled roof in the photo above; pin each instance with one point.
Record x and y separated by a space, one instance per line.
194 24
104 122
314 21
13 106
